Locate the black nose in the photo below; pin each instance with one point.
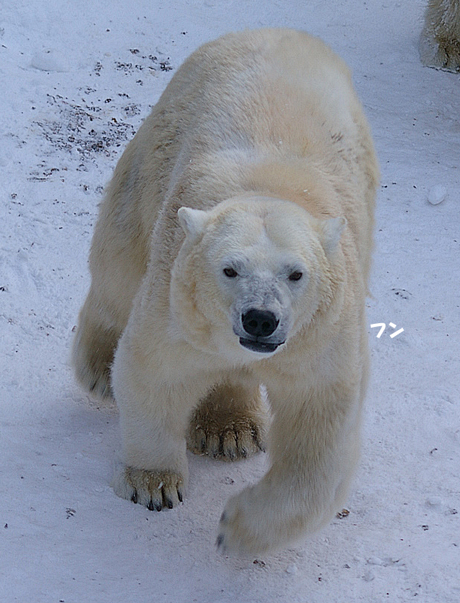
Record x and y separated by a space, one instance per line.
259 323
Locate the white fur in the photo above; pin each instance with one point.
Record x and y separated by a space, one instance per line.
233 249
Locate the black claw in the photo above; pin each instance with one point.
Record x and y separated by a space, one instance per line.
255 437
221 452
223 518
134 497
150 505
180 496
158 506
230 455
167 502
220 540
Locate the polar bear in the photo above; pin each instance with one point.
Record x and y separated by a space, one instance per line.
233 249
440 39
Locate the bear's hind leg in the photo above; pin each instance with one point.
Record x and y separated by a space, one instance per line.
93 350
117 267
230 423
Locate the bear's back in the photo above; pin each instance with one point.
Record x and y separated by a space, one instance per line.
270 97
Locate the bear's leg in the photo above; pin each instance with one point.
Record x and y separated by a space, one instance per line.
314 447
230 423
440 38
116 270
154 414
94 347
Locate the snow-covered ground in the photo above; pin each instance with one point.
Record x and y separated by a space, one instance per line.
76 80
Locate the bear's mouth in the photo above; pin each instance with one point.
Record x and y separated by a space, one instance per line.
263 347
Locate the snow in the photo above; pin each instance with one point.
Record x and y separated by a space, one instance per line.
77 78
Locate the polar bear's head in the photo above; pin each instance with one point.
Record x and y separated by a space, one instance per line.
250 273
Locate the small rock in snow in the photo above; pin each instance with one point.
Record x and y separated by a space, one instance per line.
343 513
437 194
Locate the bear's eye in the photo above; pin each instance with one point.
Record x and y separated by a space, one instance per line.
295 276
230 272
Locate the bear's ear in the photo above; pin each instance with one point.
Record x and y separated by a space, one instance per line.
192 221
331 231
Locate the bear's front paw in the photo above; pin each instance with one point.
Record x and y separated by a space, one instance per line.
154 489
230 423
240 531
230 440
263 519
